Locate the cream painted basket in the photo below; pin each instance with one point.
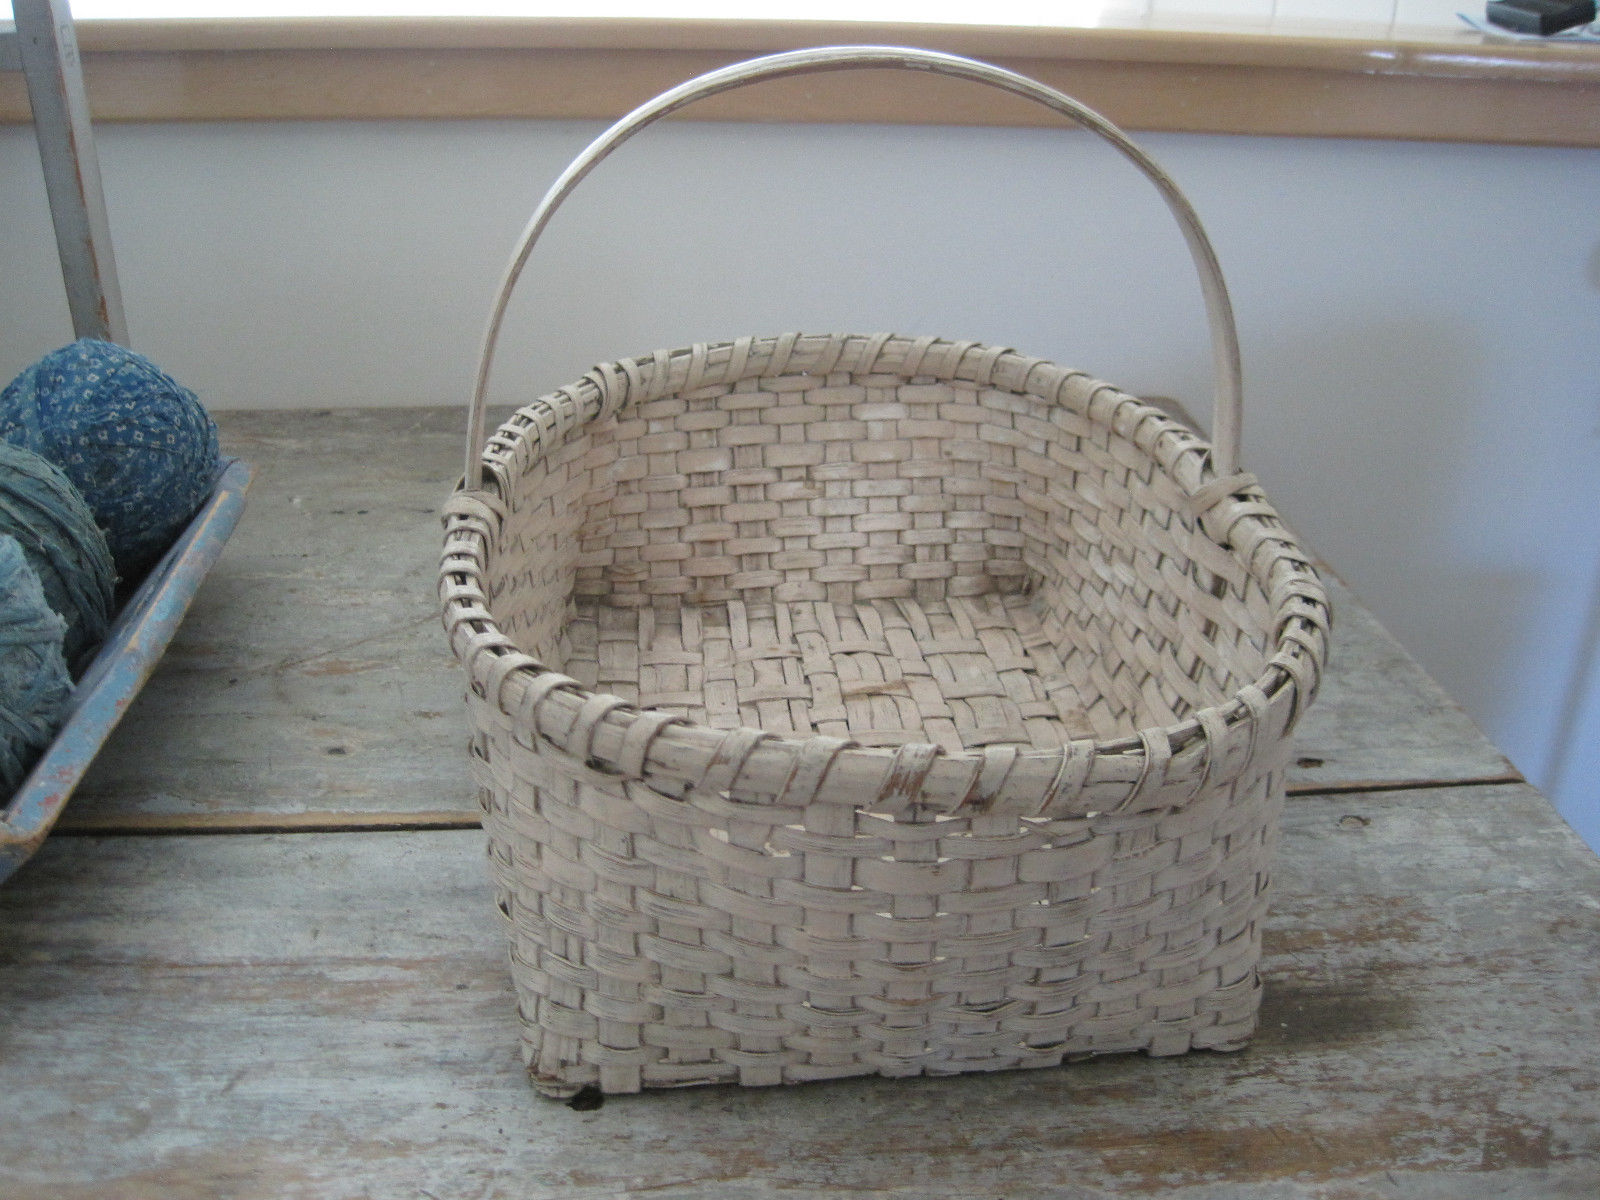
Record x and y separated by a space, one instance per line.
872 705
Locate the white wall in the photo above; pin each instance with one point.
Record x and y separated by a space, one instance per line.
1420 322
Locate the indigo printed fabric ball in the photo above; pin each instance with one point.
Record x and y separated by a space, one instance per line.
49 519
34 685
136 443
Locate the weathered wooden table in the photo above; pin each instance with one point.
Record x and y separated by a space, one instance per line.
315 1003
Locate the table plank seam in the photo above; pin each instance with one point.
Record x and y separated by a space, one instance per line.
215 824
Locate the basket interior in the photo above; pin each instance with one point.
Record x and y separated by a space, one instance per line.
875 556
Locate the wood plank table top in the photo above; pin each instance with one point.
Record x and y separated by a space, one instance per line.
317 1003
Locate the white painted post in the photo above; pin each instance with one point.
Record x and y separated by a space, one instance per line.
46 49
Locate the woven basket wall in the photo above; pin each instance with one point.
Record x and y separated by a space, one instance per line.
849 705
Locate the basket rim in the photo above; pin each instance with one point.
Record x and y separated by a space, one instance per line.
1158 767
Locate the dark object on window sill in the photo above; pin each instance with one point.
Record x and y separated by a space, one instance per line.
1540 16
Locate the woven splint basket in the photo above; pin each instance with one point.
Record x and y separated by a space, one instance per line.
872 705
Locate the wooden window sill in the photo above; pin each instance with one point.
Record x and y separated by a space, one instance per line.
1435 85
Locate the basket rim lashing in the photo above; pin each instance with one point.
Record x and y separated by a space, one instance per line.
1053 840
1152 769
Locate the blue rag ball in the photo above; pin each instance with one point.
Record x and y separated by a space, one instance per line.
34 685
136 443
41 509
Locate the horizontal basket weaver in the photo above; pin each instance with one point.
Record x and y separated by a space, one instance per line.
872 705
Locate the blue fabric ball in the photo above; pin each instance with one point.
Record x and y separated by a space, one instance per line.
41 509
136 443
34 684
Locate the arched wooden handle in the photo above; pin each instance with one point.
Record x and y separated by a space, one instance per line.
1227 414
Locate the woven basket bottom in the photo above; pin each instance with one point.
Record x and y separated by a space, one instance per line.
664 945
961 673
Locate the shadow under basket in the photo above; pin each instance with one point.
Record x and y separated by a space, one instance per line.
871 705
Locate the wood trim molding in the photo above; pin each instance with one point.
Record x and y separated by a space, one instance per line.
1437 88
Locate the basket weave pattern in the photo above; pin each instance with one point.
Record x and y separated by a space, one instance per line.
851 704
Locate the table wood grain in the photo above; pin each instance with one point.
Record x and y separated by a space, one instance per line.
329 1015
316 1003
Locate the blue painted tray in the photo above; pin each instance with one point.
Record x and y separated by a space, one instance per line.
137 640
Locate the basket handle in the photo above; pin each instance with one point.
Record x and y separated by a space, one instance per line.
1219 311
